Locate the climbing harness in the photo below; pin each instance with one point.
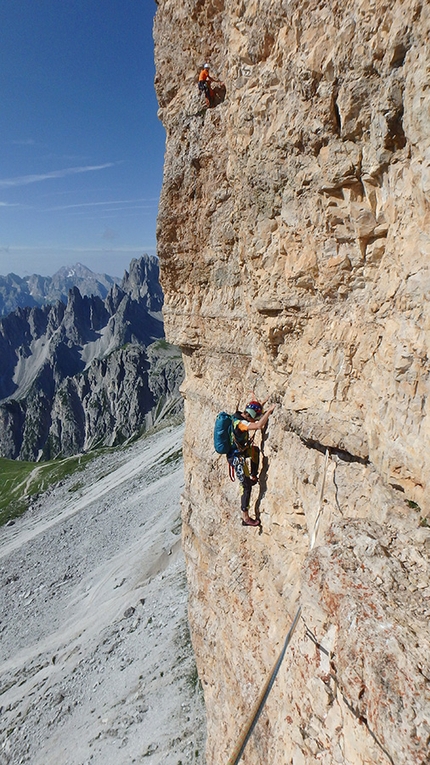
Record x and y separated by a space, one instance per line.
259 705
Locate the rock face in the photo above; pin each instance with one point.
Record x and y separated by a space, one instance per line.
88 373
294 247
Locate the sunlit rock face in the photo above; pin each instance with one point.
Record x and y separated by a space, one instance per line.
294 246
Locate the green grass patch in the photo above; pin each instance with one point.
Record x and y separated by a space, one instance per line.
161 343
20 481
172 458
413 505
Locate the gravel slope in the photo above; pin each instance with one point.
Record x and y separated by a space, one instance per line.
96 664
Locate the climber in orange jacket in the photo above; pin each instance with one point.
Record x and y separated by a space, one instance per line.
205 84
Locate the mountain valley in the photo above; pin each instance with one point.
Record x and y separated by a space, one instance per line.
88 372
96 661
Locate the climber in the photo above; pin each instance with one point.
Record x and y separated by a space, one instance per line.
205 84
243 449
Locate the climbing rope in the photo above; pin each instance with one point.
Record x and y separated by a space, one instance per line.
259 705
320 506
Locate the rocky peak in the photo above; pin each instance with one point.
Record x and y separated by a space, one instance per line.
38 290
72 272
83 373
142 281
114 299
83 317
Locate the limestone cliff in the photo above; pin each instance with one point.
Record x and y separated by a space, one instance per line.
294 246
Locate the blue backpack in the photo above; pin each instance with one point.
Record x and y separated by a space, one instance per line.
223 433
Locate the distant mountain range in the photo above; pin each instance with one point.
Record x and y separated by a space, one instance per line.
34 290
88 371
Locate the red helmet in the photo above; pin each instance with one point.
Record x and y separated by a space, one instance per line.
254 409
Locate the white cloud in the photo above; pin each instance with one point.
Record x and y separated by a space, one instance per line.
24 142
153 202
24 180
123 248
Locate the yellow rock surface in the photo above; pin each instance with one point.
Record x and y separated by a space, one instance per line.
294 242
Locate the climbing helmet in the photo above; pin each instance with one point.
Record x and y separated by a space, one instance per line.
254 409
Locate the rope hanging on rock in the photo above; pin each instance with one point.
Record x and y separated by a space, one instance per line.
320 501
258 708
259 705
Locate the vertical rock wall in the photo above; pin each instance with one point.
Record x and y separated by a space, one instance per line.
294 247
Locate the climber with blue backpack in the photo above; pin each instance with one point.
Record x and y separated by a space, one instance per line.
234 436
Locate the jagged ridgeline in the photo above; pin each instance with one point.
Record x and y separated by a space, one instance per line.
21 291
88 371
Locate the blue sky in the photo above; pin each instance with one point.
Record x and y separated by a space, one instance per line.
81 148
